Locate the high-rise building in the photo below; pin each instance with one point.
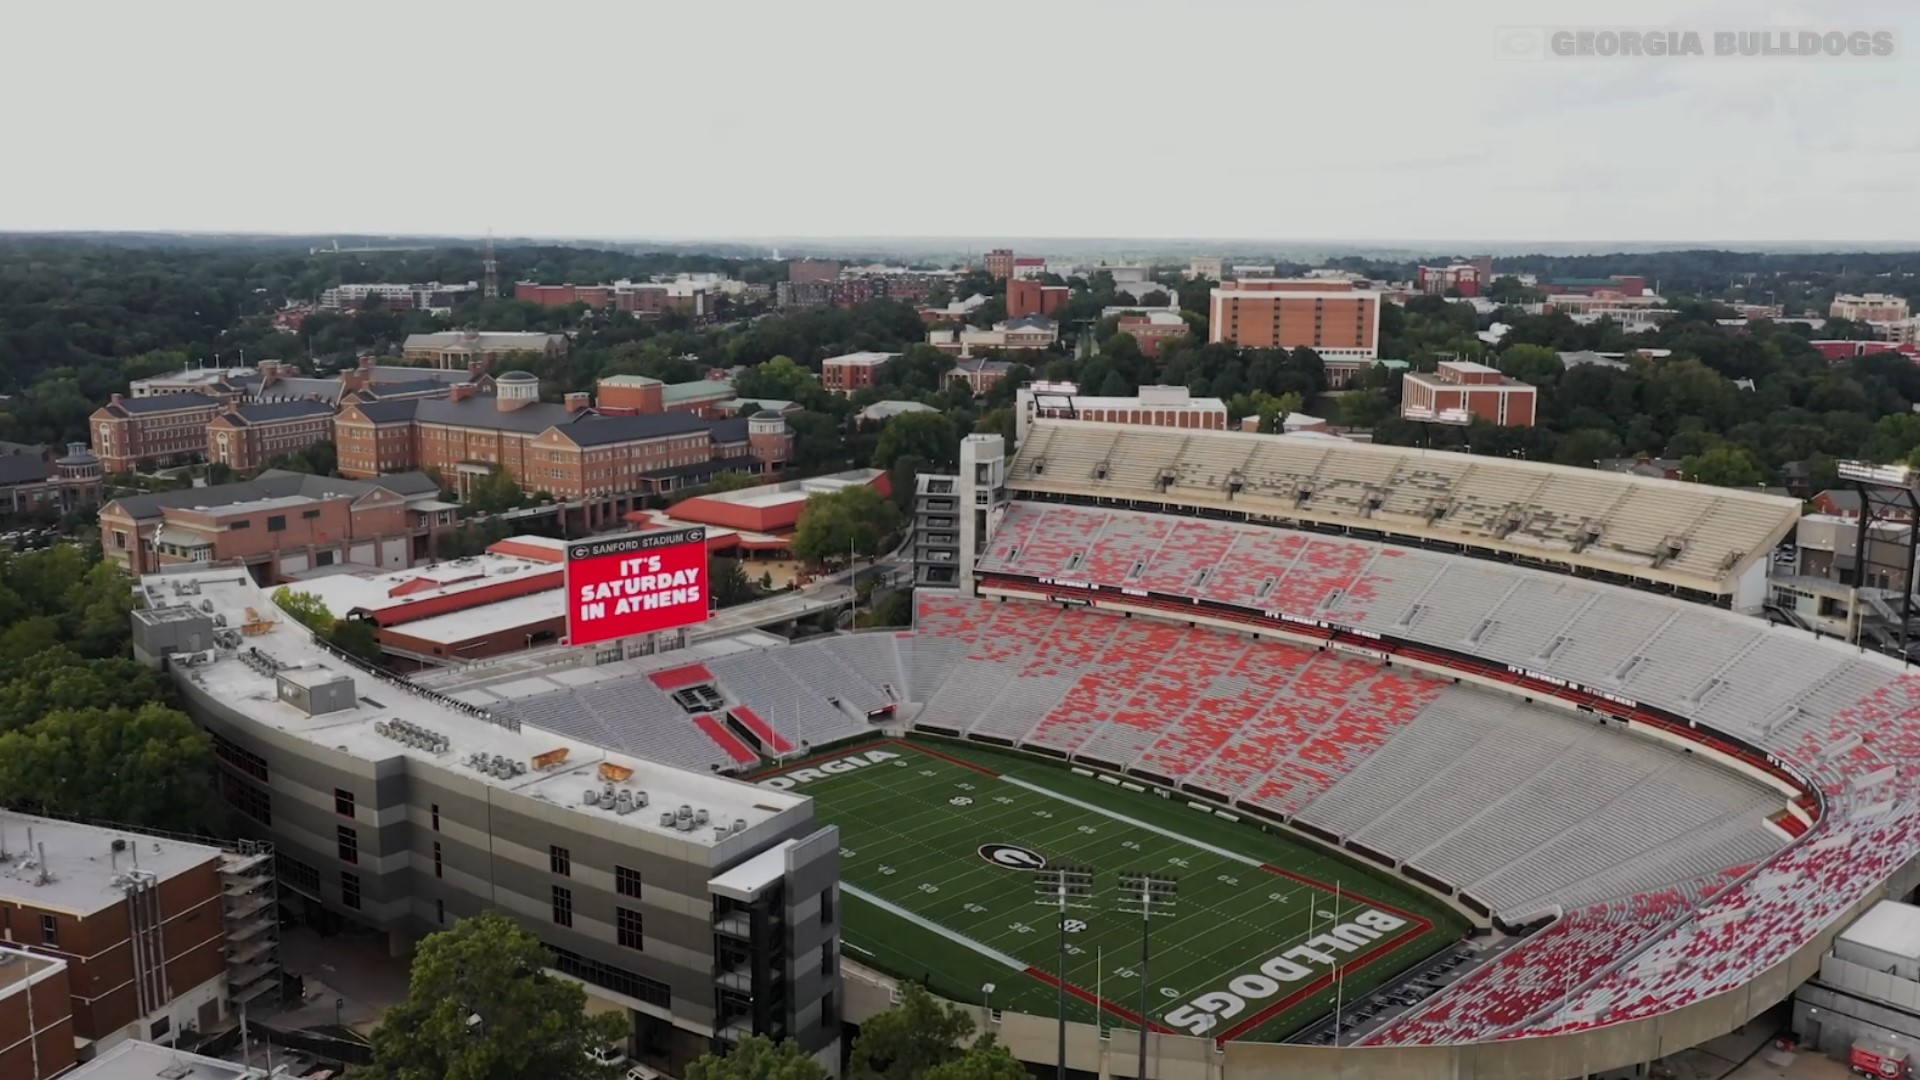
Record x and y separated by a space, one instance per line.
1333 318
1026 296
1000 264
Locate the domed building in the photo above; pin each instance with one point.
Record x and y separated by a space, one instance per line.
31 477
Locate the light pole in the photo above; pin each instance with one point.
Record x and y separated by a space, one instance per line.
1146 893
1063 888
986 994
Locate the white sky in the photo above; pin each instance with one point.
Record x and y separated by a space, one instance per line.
1258 119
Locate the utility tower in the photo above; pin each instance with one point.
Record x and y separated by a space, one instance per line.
490 288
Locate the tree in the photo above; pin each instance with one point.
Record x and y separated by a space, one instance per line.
780 379
495 493
729 583
1363 408
908 1040
984 1060
930 436
304 608
1726 466
356 637
857 519
481 1006
756 1057
903 477
146 766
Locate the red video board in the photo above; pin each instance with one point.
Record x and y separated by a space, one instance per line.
621 586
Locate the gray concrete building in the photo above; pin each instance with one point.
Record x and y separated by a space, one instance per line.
706 907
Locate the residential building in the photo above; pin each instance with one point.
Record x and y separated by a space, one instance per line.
399 811
1460 391
278 524
1153 406
1000 264
980 373
593 296
812 271
246 437
854 371
1152 330
31 477
1028 266
1456 279
605 462
1031 332
1135 278
1871 307
1208 267
1331 317
133 433
461 349
1027 296
805 294
428 296
36 1015
138 921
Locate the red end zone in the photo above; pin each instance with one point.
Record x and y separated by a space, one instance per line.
623 586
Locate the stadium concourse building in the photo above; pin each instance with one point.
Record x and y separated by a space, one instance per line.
703 906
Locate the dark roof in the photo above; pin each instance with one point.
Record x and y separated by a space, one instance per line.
380 373
730 430
1841 498
272 484
267 412
164 403
765 414
484 412
404 389
600 430
388 412
23 469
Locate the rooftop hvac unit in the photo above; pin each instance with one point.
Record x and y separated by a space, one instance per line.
700 817
684 824
686 812
720 832
640 799
739 824
667 819
590 797
380 728
206 606
623 801
219 618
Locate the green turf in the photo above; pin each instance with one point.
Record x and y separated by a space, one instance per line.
911 828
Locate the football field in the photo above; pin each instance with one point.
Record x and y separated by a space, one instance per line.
939 847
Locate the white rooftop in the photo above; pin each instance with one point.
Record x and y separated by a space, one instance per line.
1888 926
573 765
861 359
345 592
81 863
277 502
135 1060
750 878
499 617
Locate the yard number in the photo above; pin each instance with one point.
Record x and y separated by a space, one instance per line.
888 871
976 909
960 800
926 888
1020 928
1004 800
846 853
1228 879
1074 926
1043 813
964 787
1177 861
1088 829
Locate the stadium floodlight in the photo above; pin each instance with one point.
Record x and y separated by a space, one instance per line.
1146 893
1063 887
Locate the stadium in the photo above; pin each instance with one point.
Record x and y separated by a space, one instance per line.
1463 766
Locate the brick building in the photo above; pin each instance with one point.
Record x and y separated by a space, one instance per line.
1030 332
1000 264
1027 296
462 349
246 437
30 477
139 923
279 524
36 1016
812 271
1331 317
1153 329
1459 279
569 450
131 433
980 373
854 371
1871 307
1461 391
1153 406
422 296
639 395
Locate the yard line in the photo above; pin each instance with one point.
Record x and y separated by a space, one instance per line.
928 924
1135 822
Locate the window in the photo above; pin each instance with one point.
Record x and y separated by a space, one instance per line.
309 513
349 845
120 539
350 890
618 980
343 802
161 1027
562 906
826 959
299 875
239 757
49 930
277 523
626 928
436 859
560 860
440 912
626 881
436 817
826 906
242 523
244 797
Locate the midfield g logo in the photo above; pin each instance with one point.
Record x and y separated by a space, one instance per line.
1009 857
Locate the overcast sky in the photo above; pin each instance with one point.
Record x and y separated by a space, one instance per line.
1364 120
